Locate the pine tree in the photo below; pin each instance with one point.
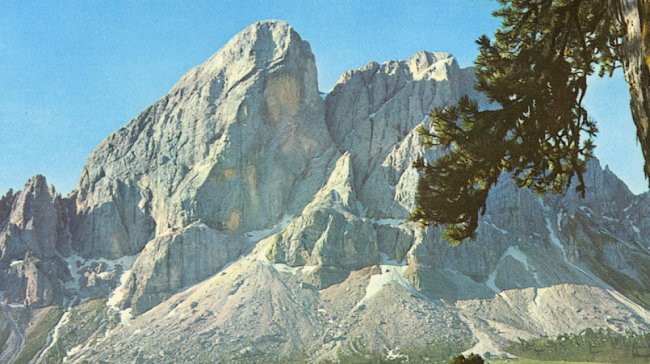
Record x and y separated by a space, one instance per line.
535 73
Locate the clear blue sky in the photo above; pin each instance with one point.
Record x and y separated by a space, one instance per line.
72 72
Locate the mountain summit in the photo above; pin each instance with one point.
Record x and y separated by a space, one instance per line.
244 217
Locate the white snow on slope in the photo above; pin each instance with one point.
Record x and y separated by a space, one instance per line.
492 225
116 297
77 263
556 241
484 344
390 222
257 235
517 254
54 338
391 271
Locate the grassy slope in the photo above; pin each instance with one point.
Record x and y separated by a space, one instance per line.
5 331
86 323
37 335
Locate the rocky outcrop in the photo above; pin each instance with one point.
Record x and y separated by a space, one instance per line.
32 223
175 261
32 227
239 141
5 205
329 235
34 282
371 111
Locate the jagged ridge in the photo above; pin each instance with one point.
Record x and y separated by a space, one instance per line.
252 218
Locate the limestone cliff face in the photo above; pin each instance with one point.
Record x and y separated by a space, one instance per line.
175 261
329 235
32 226
237 143
371 111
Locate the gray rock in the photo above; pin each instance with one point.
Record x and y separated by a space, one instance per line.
33 282
239 141
32 223
31 228
328 232
372 110
178 260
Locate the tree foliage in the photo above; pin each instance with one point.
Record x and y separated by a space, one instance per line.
600 345
536 71
471 359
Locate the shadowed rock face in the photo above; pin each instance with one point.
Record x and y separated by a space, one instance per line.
32 226
262 220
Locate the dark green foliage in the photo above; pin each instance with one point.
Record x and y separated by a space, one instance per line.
436 352
590 345
536 70
471 359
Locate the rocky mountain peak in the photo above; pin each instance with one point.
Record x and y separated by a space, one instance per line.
34 216
225 147
5 205
31 232
260 46
242 209
435 66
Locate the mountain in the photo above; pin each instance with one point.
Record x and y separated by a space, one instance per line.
244 217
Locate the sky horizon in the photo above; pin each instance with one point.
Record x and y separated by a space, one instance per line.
73 73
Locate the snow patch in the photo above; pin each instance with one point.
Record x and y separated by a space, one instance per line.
56 333
518 255
543 205
490 281
391 271
484 344
556 241
586 210
257 235
118 295
390 222
76 264
491 224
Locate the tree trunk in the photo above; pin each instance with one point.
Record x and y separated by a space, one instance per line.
635 19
